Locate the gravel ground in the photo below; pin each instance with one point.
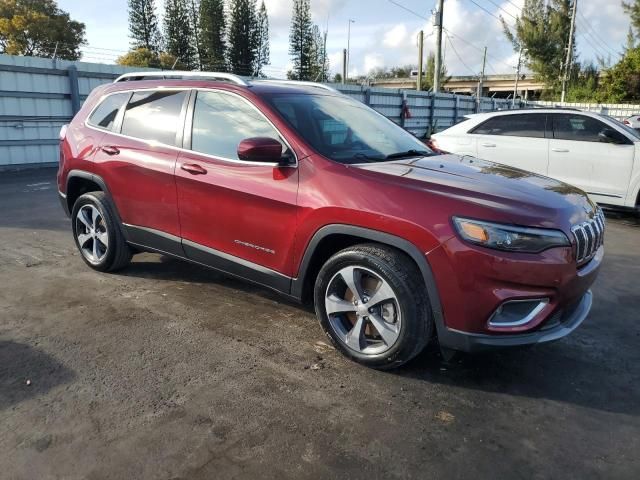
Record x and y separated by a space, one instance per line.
171 371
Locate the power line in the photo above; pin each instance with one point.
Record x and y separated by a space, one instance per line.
457 54
408 10
463 40
500 8
485 10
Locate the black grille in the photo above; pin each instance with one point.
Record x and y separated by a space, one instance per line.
589 236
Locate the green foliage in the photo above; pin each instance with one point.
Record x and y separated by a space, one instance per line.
143 57
585 86
337 78
243 37
621 83
301 41
427 82
35 27
632 8
194 18
262 34
143 25
212 35
178 33
542 29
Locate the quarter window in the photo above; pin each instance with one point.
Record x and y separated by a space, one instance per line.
221 121
105 115
522 125
154 116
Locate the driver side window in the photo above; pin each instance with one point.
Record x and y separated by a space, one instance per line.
221 121
579 128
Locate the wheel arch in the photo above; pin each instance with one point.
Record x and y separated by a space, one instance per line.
333 238
80 182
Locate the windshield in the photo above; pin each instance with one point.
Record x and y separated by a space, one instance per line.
345 130
626 128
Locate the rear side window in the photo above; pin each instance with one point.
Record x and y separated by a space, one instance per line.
581 128
523 125
105 115
154 116
221 121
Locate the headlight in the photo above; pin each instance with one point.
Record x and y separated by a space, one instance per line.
507 237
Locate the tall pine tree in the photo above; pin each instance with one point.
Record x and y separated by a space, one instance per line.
243 37
194 15
212 35
143 25
262 49
178 33
301 41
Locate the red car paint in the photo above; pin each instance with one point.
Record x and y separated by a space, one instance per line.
215 203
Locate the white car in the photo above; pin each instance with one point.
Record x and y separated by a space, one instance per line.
633 121
594 152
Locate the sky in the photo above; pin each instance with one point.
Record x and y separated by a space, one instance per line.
384 34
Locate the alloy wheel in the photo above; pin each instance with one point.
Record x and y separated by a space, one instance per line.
92 235
363 310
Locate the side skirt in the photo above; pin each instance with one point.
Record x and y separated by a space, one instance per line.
160 242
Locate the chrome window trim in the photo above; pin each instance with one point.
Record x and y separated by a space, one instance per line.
180 149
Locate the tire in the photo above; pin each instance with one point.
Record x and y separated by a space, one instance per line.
391 332
95 223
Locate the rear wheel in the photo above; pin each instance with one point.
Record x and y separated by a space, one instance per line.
97 233
371 301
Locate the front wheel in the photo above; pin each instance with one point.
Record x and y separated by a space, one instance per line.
372 302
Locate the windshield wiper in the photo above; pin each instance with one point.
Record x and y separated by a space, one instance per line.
408 153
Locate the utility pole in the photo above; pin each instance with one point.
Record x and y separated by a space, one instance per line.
348 45
344 65
567 66
420 55
515 86
437 23
481 80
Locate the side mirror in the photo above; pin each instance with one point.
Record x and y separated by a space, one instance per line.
260 149
609 135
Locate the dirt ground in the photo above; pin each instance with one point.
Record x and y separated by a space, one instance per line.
171 371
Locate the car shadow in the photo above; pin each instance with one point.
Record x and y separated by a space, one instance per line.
557 372
166 268
27 372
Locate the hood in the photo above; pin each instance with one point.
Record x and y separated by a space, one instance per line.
519 195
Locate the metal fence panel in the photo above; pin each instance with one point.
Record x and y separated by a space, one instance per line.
39 95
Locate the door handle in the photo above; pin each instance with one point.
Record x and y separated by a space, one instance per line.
489 145
560 150
193 168
110 150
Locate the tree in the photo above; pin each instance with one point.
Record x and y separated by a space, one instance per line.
542 30
212 35
194 17
632 8
39 28
301 41
178 34
427 83
622 81
143 25
337 78
319 64
263 40
143 57
243 38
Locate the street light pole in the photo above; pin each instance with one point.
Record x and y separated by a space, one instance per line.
515 86
348 46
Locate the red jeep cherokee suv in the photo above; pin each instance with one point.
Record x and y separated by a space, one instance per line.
305 191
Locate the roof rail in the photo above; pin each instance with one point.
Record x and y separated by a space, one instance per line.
173 74
299 82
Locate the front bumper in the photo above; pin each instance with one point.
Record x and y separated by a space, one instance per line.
561 325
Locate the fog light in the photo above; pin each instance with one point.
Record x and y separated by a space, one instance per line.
515 313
